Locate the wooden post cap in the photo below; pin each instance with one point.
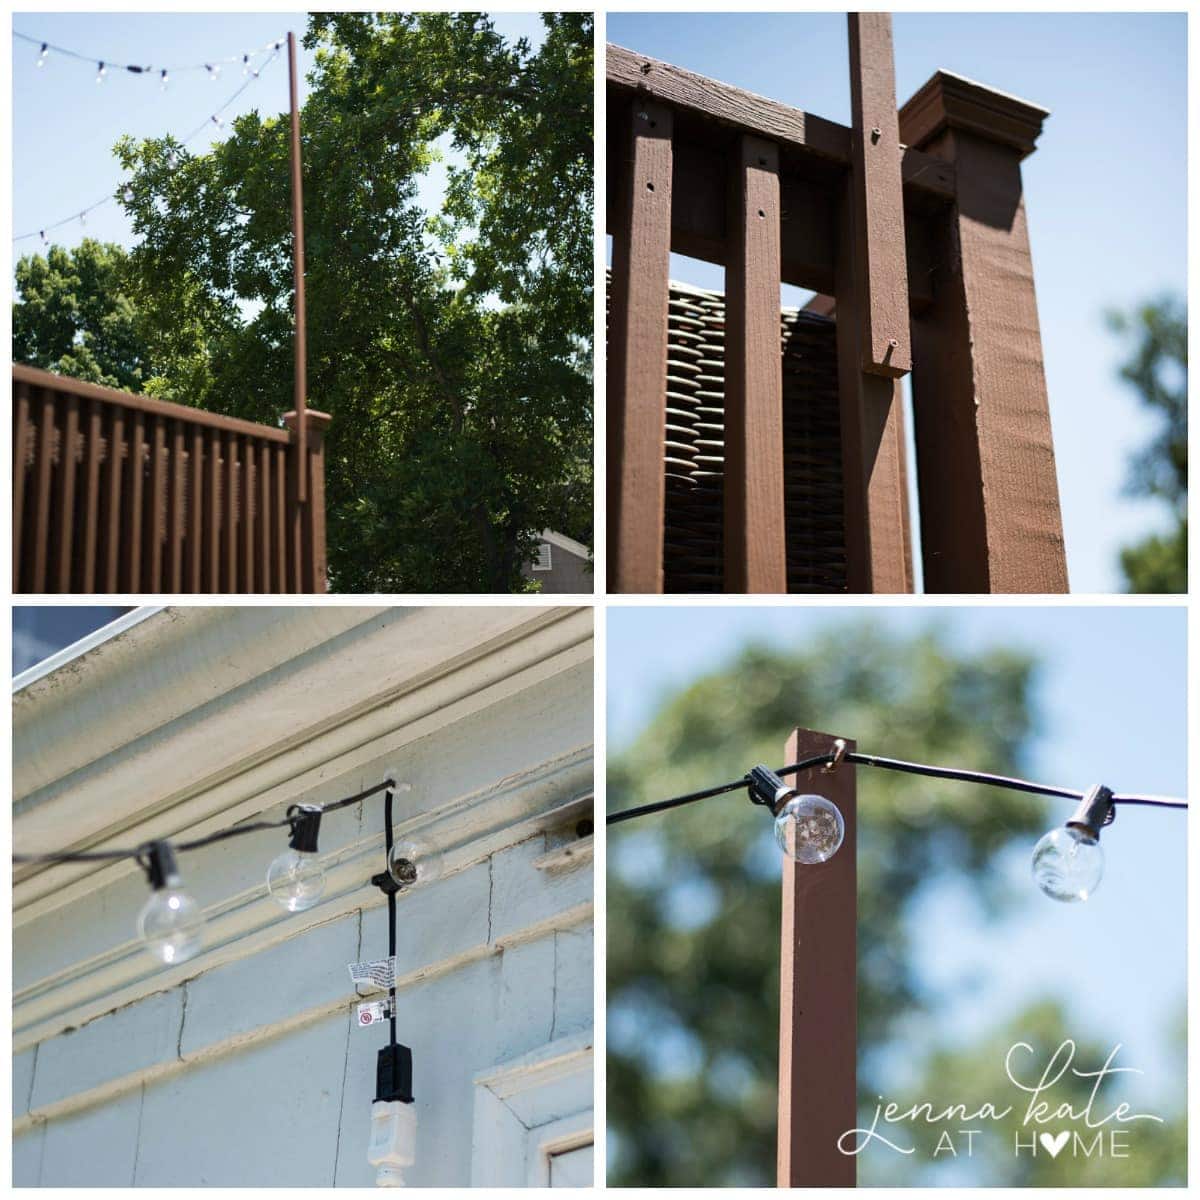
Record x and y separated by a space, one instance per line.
949 101
318 422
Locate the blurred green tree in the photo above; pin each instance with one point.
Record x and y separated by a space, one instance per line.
1156 369
693 898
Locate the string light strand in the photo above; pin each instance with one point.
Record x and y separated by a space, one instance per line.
212 119
892 764
138 852
147 69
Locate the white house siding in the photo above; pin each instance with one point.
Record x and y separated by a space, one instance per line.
244 1065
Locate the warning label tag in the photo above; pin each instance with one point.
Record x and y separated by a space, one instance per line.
380 972
371 1013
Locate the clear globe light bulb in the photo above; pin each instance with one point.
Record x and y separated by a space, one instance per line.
1068 863
41 62
100 74
127 195
809 829
412 862
171 923
296 880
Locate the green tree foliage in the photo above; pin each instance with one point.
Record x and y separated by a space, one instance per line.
453 348
76 317
693 898
1157 371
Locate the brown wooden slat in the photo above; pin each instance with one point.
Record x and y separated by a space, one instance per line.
878 197
21 447
64 523
176 492
156 505
755 535
281 521
229 519
212 511
131 534
818 1012
44 474
195 512
90 506
637 362
246 516
114 472
263 526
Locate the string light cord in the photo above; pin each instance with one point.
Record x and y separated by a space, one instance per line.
212 119
139 853
149 68
833 756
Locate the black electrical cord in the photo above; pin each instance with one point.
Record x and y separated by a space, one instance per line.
890 764
391 903
138 852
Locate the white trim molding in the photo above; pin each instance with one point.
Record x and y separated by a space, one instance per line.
531 1108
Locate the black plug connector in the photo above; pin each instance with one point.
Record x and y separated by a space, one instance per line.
393 1074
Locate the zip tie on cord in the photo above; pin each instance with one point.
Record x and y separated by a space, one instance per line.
838 754
138 852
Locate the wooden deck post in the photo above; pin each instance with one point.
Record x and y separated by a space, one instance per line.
311 518
637 360
818 1012
990 517
872 321
755 541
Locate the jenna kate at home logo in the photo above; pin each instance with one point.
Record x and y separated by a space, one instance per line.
1046 1125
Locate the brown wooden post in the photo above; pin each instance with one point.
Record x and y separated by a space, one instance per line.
872 321
300 378
312 518
990 516
755 539
818 1013
637 361
878 197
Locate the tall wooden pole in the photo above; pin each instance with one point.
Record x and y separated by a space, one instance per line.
818 1011
300 384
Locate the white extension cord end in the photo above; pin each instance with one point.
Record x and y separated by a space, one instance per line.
393 1144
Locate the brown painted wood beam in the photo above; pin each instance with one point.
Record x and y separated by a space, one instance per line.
871 300
990 513
637 359
818 1003
880 259
755 538
793 130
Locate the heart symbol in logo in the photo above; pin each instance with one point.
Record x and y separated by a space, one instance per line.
1054 1144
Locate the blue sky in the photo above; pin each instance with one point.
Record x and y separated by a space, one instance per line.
1112 699
61 106
1105 232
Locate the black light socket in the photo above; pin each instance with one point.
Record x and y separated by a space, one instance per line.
1095 810
160 865
393 1074
306 824
767 788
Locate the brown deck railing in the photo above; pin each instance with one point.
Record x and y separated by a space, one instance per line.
114 492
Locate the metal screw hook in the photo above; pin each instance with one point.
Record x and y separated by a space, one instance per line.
838 753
